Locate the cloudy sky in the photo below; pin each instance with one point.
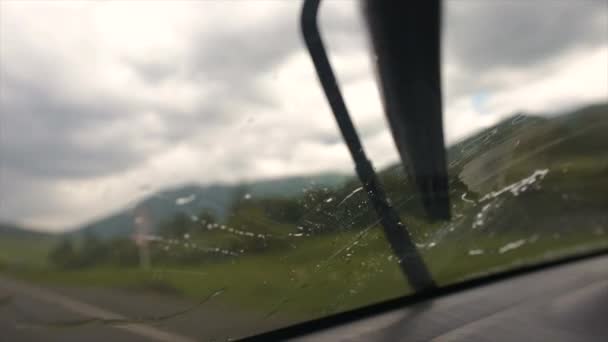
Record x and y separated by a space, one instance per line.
103 102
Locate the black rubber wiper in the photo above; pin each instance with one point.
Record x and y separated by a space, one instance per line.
410 260
407 43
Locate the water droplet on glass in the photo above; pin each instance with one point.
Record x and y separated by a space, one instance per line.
247 196
520 186
185 200
511 246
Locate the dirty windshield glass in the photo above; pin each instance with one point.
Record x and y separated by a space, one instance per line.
172 170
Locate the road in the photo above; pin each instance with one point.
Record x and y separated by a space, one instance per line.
31 313
34 313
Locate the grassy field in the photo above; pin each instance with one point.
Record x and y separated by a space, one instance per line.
312 275
29 252
321 275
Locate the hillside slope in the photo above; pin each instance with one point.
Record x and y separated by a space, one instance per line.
193 200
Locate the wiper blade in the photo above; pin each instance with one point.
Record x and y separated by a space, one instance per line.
406 39
410 260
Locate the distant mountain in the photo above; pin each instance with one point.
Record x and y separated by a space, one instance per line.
194 199
11 230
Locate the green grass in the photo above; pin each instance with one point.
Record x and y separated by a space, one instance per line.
313 279
25 251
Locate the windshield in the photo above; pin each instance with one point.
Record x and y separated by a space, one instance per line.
172 171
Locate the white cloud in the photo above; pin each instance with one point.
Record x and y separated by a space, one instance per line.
102 99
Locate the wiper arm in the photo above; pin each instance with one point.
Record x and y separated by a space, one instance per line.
410 260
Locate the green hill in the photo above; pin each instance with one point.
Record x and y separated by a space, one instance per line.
192 200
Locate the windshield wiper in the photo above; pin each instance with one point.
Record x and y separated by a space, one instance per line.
406 40
411 263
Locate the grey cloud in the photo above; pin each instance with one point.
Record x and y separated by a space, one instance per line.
342 26
49 137
40 130
49 134
329 139
484 35
227 63
233 54
230 58
27 195
153 72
